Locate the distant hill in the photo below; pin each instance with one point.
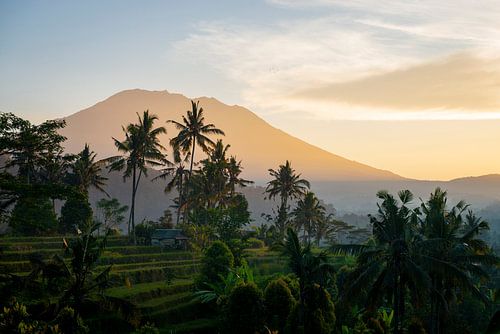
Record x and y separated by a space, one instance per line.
256 142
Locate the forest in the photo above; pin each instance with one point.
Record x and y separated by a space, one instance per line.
66 265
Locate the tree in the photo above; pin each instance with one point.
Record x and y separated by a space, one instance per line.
245 310
216 262
75 214
279 302
308 214
111 212
33 216
311 270
194 132
28 146
86 172
287 185
179 179
141 149
390 265
452 254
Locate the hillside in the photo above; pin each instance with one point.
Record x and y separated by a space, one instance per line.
256 142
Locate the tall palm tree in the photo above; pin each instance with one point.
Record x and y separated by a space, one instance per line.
141 149
389 266
286 184
234 170
452 254
179 173
194 132
310 268
308 214
86 171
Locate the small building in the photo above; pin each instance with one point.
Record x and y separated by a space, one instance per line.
169 238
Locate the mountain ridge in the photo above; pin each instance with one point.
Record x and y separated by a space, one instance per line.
259 144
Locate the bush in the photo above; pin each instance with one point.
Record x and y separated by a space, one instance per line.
245 310
255 243
75 213
318 313
279 302
218 260
33 216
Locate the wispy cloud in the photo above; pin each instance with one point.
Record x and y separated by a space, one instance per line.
348 42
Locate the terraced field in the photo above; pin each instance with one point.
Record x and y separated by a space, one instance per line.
139 275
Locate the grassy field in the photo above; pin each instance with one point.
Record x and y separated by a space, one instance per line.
139 275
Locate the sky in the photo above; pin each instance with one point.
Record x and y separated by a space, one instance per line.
408 86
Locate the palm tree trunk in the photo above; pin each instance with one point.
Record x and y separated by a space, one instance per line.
192 157
132 208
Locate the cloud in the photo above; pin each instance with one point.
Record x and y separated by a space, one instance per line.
460 82
347 42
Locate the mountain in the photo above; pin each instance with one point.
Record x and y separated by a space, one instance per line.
252 140
348 185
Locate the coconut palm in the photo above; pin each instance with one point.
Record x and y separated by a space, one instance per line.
452 254
286 184
194 132
310 268
141 149
86 172
178 173
308 214
389 266
234 170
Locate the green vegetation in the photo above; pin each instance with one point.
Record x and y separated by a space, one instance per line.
423 268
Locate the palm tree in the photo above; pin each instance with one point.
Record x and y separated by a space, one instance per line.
390 265
330 228
287 185
234 170
86 172
141 149
179 174
311 269
308 214
452 254
193 131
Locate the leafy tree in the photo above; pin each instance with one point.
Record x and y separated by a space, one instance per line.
141 149
28 146
245 310
309 214
194 132
33 216
279 302
286 184
318 315
165 221
111 212
216 262
75 213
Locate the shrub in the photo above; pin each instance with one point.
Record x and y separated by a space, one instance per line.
279 302
245 309
33 216
75 213
255 243
218 260
69 322
318 313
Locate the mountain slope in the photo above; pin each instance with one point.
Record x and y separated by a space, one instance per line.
257 143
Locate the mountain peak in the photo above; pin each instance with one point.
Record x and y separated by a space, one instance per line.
257 143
